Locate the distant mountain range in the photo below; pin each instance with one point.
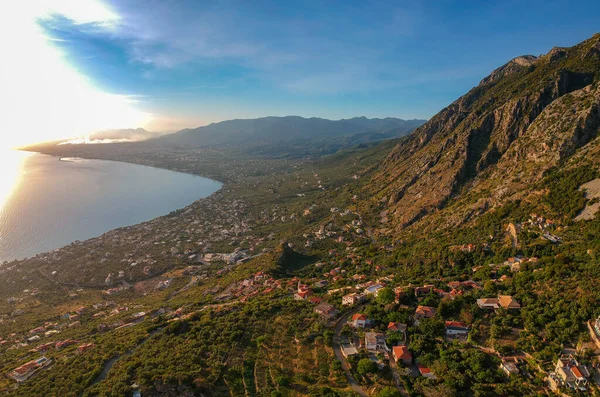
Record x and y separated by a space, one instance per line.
288 128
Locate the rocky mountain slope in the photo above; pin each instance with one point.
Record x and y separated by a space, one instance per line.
494 142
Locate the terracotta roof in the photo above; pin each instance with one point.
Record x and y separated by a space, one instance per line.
508 302
26 368
425 311
397 326
456 324
576 372
423 369
358 316
402 353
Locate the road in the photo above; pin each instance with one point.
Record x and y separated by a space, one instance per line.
338 353
396 374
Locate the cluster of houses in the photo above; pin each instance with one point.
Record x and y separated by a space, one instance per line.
27 370
569 374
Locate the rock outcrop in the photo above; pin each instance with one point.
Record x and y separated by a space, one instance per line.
528 115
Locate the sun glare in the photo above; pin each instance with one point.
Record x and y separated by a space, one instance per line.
12 164
43 97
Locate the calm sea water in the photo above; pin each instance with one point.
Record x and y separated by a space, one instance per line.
47 203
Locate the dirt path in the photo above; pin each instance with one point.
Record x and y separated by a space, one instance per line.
110 363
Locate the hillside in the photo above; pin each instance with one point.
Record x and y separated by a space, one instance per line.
289 128
498 139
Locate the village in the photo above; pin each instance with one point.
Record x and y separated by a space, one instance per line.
374 313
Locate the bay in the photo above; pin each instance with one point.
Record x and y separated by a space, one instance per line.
47 202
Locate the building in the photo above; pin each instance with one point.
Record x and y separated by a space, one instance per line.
570 374
43 347
456 328
509 367
402 354
423 312
508 302
27 370
505 301
64 343
426 372
397 327
359 320
375 341
85 347
424 290
352 299
399 294
349 350
326 310
373 289
302 293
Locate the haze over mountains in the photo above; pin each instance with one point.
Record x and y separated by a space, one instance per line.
116 136
288 128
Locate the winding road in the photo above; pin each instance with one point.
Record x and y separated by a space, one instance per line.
337 348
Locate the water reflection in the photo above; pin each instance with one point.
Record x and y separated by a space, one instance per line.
46 203
12 163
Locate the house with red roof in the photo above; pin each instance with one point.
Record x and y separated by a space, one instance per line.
569 373
456 328
326 310
359 320
402 354
424 290
303 292
423 312
505 301
27 370
426 372
85 347
397 327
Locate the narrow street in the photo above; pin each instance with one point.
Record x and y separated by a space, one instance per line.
338 353
396 375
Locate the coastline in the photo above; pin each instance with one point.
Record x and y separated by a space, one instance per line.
76 159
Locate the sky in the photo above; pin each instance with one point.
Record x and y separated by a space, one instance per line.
70 67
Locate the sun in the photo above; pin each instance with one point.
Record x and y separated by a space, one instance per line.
43 97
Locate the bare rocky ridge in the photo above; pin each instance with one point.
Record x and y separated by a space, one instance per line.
527 116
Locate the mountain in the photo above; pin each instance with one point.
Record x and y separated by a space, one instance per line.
495 142
288 128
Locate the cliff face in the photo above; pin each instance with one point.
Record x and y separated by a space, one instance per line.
527 116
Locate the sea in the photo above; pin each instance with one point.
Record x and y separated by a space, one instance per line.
48 202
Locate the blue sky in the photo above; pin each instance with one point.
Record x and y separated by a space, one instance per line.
189 63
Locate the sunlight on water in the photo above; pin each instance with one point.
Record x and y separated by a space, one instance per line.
47 202
13 166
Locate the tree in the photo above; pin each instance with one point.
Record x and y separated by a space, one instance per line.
386 296
389 392
366 366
